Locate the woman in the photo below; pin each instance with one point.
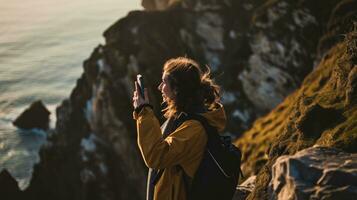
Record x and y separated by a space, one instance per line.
174 151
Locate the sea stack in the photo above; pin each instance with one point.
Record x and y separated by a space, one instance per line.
9 188
36 116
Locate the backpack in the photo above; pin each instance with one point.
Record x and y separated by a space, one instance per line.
218 173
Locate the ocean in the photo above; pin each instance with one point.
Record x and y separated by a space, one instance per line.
43 44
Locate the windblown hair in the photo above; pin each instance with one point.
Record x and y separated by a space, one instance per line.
190 85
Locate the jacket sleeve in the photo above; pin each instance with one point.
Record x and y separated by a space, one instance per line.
182 145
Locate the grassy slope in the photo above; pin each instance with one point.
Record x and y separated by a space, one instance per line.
323 111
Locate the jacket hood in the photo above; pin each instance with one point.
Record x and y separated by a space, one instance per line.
216 117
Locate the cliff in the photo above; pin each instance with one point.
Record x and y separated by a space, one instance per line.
322 112
260 52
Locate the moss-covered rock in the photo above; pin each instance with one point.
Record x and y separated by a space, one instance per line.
322 112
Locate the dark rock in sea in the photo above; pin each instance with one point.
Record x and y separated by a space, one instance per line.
314 173
36 116
9 189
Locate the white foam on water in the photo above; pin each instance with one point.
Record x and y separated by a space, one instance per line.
41 58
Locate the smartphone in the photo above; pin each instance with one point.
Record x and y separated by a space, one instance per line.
140 81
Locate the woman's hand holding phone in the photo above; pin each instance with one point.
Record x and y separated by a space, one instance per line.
138 99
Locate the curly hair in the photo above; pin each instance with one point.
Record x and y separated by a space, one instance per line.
190 85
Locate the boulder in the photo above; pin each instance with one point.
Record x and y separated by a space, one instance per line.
315 173
36 116
9 188
244 189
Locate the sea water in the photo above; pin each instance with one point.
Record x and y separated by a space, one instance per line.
43 44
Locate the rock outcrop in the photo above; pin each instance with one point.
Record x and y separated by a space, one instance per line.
245 188
322 112
314 173
9 189
158 4
36 116
259 51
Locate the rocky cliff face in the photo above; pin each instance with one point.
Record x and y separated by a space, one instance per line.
158 4
260 51
322 112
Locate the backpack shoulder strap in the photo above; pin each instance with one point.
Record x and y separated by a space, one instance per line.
201 119
211 131
181 119
168 127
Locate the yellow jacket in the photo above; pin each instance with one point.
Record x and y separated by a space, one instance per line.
185 147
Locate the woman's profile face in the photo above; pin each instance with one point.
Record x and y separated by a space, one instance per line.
165 88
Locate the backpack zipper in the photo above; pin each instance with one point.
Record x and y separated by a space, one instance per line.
219 166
